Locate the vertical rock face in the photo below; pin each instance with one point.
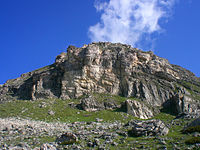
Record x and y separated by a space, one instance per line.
105 68
185 104
138 109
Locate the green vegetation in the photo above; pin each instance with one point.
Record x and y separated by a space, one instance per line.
63 112
192 129
167 118
193 140
46 68
191 86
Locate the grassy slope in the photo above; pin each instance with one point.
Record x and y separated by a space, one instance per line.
64 113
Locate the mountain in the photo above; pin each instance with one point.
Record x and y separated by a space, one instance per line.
116 69
102 96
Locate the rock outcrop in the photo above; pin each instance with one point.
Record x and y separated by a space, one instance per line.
67 138
138 109
194 123
148 128
105 67
90 103
185 104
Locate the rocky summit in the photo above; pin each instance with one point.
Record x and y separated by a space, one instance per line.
116 69
111 77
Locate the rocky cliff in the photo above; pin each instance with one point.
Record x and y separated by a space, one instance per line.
116 69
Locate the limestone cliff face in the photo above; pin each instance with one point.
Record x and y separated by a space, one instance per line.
106 68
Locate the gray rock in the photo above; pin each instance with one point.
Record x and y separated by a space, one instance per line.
43 105
67 138
97 142
138 109
148 128
47 146
103 67
91 104
185 104
90 144
99 120
194 123
111 104
51 112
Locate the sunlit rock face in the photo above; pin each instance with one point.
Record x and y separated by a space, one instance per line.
105 67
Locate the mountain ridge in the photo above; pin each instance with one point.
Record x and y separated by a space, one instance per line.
113 68
102 96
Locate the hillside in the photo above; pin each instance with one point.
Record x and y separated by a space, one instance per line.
102 88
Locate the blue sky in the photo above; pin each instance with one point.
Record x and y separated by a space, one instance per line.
34 32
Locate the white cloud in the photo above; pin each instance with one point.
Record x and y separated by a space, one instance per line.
127 21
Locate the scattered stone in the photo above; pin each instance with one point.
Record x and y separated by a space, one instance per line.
148 128
72 105
114 143
51 112
90 144
97 142
43 105
47 146
99 120
196 134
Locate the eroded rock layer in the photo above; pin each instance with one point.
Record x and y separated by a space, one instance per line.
109 68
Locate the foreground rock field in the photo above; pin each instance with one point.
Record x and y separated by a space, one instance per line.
103 129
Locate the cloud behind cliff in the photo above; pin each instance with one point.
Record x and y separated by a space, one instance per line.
130 21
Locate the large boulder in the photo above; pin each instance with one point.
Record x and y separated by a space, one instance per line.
194 123
67 138
193 127
138 109
91 104
148 128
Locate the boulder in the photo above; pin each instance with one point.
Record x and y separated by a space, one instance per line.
47 146
91 104
138 109
111 104
51 112
193 127
148 128
194 123
67 138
